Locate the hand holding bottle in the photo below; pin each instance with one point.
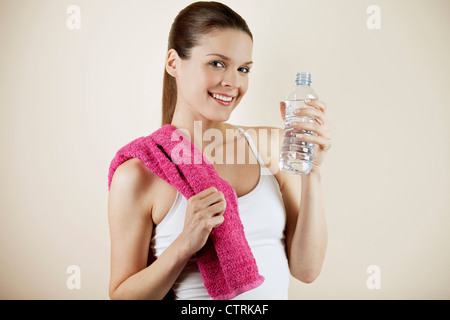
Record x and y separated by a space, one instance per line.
321 128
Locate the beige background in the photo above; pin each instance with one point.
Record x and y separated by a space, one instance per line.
70 98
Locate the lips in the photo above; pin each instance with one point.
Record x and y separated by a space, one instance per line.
222 98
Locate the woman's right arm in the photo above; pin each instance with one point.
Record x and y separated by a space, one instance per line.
130 224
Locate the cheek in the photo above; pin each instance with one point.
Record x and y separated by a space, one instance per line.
202 81
244 85
243 88
195 81
209 79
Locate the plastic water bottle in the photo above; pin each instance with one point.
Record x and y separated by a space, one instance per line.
296 155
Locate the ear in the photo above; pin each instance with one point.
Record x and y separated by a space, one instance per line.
172 60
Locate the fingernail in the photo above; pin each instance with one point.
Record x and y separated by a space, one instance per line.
307 100
299 135
293 123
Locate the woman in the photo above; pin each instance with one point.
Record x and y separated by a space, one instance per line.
155 232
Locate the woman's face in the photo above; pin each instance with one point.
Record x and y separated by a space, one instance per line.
214 79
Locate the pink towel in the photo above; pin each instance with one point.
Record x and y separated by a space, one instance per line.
226 262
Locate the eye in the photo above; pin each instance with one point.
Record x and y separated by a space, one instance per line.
244 70
217 64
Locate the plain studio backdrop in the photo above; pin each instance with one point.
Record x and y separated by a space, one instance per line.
71 97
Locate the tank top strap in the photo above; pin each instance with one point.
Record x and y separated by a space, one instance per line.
264 169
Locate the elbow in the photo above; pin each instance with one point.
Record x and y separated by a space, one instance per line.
117 293
306 276
120 295
114 294
124 293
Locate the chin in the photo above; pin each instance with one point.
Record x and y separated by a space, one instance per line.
217 112
217 118
218 115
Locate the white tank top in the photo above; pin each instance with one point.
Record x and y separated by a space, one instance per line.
263 216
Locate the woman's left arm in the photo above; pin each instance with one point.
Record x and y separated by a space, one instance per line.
306 230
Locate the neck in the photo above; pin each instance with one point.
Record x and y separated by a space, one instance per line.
196 126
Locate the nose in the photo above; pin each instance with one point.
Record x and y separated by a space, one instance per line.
231 79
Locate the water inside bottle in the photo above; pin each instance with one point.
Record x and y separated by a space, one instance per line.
296 155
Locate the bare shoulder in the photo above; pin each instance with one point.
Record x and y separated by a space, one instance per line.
131 175
130 185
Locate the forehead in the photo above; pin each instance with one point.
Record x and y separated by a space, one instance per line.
235 44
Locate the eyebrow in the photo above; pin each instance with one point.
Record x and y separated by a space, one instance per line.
225 57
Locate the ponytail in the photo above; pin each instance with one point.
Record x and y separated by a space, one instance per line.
169 98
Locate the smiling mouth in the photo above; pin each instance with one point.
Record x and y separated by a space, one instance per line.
221 98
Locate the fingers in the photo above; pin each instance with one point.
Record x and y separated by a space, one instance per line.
317 112
208 197
216 221
208 203
316 103
205 193
312 126
311 113
283 110
322 137
203 213
323 143
215 209
321 128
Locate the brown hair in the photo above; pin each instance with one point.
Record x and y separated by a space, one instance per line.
195 20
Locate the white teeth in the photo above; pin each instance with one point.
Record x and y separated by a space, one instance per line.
220 97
